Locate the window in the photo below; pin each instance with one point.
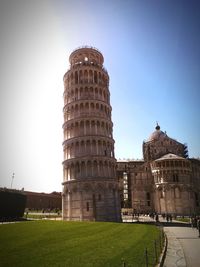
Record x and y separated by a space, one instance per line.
99 197
95 77
76 77
125 189
175 177
125 196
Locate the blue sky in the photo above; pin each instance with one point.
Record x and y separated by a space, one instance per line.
151 51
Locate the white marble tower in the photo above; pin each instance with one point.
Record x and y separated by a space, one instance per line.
90 188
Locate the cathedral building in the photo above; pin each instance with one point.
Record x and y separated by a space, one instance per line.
165 181
90 187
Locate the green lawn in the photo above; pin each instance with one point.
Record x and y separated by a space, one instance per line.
57 243
183 219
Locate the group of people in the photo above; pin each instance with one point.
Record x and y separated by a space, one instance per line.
167 216
195 223
194 220
155 216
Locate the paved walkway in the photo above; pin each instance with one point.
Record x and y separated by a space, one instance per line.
183 246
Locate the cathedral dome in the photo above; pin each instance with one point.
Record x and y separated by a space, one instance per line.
157 134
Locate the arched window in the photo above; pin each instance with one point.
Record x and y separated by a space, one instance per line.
94 150
95 77
100 77
175 177
96 93
89 169
72 172
86 76
90 76
76 77
76 94
80 76
95 168
83 171
77 170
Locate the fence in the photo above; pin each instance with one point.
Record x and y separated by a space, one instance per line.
151 255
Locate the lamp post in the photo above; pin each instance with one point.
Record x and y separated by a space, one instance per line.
13 176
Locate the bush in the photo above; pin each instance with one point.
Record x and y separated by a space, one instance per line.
12 204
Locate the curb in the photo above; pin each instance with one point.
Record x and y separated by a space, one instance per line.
163 254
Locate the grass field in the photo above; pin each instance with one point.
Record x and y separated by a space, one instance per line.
183 219
57 243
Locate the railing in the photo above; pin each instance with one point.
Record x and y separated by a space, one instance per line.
87 46
151 256
93 64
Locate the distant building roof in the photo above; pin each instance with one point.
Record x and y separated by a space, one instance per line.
169 156
53 194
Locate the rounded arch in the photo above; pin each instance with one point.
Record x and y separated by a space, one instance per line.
101 169
90 76
100 93
81 92
86 76
83 169
76 77
95 168
96 92
89 168
88 147
95 77
80 76
76 93
99 77
94 149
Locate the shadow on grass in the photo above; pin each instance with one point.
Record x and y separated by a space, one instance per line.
165 224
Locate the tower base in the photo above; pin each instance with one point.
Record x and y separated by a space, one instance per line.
91 200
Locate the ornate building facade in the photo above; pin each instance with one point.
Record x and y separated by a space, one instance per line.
90 187
165 181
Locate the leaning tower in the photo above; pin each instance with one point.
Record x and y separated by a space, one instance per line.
90 188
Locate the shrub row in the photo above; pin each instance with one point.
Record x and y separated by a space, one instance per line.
12 204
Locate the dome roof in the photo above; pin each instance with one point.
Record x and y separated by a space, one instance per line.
157 135
170 156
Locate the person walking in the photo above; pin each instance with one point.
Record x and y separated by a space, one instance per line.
157 218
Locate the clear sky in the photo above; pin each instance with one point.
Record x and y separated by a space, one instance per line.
151 50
